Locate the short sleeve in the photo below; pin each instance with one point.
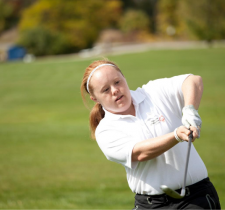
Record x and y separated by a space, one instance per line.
117 146
168 91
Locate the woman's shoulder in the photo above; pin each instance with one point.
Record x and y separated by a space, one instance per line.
107 124
164 84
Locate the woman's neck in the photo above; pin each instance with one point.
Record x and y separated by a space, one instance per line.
130 111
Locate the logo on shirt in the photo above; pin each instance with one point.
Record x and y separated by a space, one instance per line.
161 118
155 118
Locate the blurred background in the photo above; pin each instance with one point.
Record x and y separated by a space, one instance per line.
47 158
46 27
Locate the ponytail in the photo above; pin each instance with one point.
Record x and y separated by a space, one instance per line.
97 113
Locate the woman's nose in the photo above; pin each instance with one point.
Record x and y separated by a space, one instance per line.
114 90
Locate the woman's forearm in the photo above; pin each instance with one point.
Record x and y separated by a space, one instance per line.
154 147
192 89
151 148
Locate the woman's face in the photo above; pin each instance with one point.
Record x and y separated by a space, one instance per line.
111 90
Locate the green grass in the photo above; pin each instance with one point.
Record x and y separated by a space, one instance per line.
47 159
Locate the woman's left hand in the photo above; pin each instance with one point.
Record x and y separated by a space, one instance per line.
195 132
184 132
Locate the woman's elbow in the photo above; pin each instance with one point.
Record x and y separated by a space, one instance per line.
197 79
199 82
141 158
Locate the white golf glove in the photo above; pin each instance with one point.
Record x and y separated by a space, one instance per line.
191 118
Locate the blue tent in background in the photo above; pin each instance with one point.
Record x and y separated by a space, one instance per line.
16 52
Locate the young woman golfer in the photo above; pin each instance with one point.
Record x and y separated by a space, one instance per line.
143 131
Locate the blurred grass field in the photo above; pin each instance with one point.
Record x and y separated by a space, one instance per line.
47 159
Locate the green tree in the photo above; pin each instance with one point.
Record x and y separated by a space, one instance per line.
41 41
205 18
202 19
135 25
10 11
5 12
134 21
77 22
169 19
149 7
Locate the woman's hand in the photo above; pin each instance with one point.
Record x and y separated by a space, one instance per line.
183 133
191 117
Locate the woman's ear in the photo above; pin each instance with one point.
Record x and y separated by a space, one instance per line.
93 99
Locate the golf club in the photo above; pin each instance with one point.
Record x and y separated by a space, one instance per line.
171 192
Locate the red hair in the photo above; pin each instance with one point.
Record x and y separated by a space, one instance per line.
97 113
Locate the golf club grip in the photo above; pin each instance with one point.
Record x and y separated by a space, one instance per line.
190 137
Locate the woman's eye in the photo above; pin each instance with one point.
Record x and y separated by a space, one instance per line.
117 82
106 89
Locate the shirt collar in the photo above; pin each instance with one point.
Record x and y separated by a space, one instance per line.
137 97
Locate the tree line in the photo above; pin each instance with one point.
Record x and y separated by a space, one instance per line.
58 27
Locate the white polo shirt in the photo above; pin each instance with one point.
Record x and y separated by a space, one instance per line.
158 106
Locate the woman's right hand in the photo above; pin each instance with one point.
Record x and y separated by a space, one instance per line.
183 133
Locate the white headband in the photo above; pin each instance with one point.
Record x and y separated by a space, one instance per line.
93 71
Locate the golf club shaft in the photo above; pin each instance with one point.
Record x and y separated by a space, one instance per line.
190 137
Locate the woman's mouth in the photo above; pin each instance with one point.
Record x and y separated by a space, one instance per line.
119 98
